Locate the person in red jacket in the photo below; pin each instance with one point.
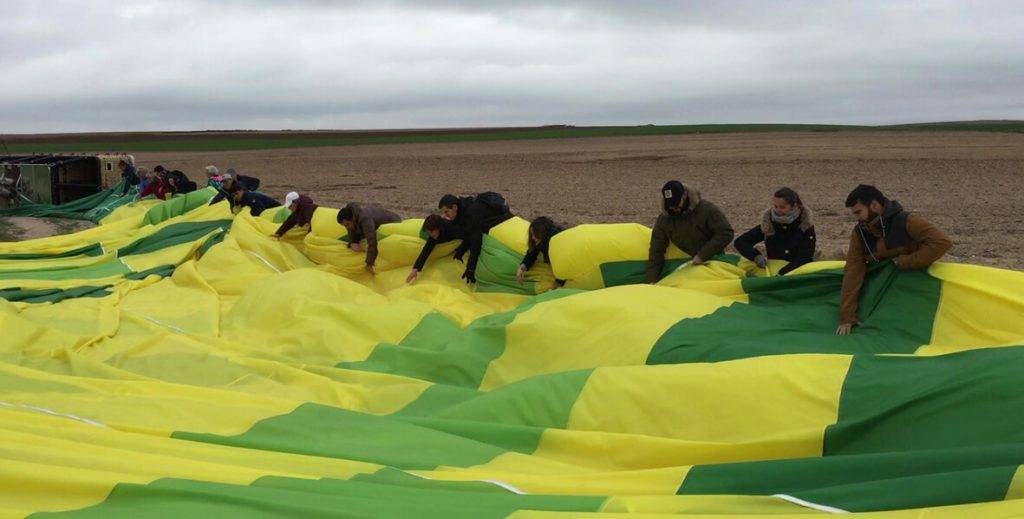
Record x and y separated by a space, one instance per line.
155 185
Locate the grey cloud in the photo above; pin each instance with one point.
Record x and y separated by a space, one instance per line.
158 65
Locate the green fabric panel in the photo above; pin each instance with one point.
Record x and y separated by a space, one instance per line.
281 215
52 295
108 268
293 497
319 430
174 234
496 269
799 314
178 205
93 207
437 350
963 399
211 241
467 430
94 249
871 482
634 272
512 417
162 271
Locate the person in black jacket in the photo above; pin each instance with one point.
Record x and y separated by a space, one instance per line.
256 202
786 230
542 229
128 174
470 218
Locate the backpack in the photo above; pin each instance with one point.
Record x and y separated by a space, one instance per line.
493 203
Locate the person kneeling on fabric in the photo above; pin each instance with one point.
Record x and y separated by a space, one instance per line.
361 221
786 230
542 229
302 208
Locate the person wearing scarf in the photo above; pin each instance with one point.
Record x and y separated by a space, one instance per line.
787 231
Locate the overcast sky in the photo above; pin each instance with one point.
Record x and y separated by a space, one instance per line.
181 65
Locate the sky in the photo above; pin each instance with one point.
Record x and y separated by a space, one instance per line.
318 64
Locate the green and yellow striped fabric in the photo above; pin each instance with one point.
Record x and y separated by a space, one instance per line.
179 361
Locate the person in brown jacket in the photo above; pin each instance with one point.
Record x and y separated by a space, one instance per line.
884 231
362 222
302 208
693 224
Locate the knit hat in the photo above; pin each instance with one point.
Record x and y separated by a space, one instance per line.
212 171
672 193
290 198
345 213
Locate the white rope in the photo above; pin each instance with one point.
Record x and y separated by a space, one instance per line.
51 412
812 506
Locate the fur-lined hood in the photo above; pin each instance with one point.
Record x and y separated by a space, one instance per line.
806 221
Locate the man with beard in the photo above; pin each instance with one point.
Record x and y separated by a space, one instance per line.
884 231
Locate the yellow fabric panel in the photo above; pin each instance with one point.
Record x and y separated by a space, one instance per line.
695 505
513 233
149 407
1016 488
133 211
979 307
578 251
43 451
633 408
342 320
714 277
633 317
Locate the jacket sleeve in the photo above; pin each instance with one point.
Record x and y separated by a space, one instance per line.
150 189
531 256
476 242
804 253
745 243
369 231
721 234
428 247
221 195
853 280
288 223
656 253
934 244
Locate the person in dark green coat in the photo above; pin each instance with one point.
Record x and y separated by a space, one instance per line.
693 224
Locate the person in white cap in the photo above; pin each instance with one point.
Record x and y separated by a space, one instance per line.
302 208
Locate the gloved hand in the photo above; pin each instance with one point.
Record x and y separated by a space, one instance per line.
469 276
458 256
761 261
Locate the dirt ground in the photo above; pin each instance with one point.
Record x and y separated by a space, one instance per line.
20 228
969 183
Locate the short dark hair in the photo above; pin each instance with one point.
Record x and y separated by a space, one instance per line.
345 213
433 223
790 196
865 194
448 201
160 169
541 226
